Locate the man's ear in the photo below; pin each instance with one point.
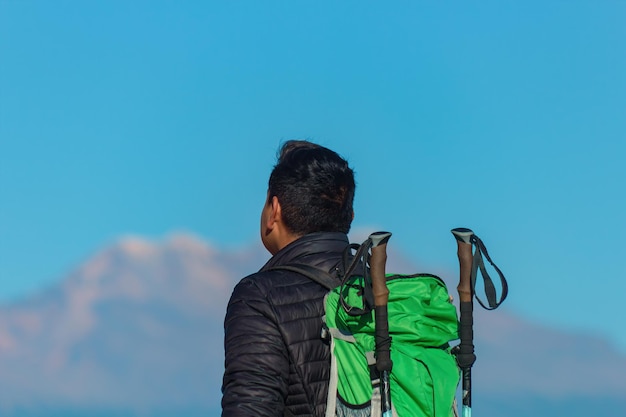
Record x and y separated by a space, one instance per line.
275 213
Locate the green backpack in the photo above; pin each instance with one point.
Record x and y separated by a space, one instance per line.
422 322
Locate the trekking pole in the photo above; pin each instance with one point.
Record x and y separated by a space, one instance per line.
381 298
465 351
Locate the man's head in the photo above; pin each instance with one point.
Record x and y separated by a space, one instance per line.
311 189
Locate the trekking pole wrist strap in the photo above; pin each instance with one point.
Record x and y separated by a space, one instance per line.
489 287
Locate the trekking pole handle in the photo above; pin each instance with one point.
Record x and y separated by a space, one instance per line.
384 363
465 351
377 267
464 252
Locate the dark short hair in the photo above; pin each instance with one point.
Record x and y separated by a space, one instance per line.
315 188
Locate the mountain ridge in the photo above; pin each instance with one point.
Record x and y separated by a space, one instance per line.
138 326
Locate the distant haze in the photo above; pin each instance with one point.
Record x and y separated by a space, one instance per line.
137 330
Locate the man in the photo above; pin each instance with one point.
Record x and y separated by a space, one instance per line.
276 362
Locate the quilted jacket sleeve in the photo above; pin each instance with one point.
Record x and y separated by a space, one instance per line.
256 359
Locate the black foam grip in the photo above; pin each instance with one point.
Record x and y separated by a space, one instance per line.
465 356
383 341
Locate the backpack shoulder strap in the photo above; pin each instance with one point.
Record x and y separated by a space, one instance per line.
314 274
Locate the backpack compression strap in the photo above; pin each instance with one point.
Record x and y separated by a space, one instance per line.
314 274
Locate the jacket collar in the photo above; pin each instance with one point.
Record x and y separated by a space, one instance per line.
321 249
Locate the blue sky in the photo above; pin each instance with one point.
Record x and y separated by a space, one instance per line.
149 117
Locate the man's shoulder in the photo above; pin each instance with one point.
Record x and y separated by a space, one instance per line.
256 280
270 278
272 284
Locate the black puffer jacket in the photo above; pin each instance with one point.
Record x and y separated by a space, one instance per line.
275 358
